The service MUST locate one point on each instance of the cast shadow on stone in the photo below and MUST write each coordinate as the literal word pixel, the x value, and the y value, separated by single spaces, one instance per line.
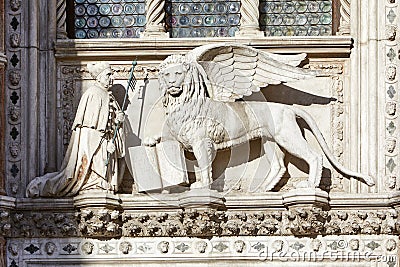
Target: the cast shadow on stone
pixel 289 96
pixel 326 177
pixel 118 90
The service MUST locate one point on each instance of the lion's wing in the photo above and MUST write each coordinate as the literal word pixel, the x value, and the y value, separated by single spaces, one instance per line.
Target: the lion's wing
pixel 237 70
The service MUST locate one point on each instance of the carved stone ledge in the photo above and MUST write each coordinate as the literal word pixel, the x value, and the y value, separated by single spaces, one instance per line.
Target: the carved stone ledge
pixel 308 197
pixel 201 198
pixel 7 202
pixel 94 199
pixel 158 48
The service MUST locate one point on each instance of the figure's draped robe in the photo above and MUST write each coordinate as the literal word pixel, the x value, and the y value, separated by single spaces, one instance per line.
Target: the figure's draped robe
pixel 84 166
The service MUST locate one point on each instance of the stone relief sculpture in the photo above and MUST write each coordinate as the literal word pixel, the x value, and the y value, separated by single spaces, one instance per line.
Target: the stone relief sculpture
pixel 202 93
pixel 95 149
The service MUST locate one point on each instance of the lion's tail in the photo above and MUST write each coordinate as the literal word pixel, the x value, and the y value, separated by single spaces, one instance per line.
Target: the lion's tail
pixel 321 140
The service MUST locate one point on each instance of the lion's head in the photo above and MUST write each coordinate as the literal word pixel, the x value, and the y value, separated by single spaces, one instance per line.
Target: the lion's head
pixel 181 77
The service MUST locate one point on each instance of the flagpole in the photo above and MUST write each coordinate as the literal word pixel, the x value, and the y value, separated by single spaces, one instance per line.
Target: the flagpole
pixel 131 84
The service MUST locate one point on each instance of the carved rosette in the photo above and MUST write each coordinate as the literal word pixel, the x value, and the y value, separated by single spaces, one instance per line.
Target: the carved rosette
pixel 391 181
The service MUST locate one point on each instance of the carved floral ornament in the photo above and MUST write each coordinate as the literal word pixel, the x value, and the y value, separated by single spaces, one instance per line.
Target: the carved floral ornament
pixel 298 222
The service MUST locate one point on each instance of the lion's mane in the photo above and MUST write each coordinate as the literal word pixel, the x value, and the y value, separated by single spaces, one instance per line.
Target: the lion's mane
pixel 188 112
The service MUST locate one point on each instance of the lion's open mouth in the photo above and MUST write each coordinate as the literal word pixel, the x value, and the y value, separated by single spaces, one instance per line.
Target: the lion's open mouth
pixel 175 91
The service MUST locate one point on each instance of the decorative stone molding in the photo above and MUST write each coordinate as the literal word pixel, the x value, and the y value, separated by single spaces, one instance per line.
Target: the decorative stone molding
pixel 13 166
pixel 43 224
pixel 249 19
pixel 3 118
pixel 352 250
pixel 305 215
pixel 362 222
pixel 99 214
pixel 155 15
pixel 100 222
pixel 391 80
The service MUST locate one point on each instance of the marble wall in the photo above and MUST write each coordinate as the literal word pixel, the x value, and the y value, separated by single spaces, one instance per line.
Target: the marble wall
pixel 43 74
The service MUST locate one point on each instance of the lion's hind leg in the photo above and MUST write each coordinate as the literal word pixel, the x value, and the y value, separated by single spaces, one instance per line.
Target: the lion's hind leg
pixel 291 139
pixel 277 170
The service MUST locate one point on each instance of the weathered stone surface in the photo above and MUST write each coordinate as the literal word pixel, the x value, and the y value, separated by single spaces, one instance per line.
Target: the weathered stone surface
pixel 358 115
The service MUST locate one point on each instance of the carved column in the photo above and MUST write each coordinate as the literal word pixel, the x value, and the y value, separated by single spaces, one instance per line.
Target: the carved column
pixel 249 19
pixel 2 99
pixel 344 25
pixel 61 19
pixel 365 92
pixel 155 15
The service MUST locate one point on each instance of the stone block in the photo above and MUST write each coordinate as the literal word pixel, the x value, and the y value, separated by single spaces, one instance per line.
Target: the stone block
pixel 145 168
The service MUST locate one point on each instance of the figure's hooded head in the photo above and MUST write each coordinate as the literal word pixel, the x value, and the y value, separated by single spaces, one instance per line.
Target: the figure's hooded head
pixel 102 73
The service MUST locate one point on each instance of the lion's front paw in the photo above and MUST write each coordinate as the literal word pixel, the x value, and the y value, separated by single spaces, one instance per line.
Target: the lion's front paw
pixel 151 141
pixel 196 185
